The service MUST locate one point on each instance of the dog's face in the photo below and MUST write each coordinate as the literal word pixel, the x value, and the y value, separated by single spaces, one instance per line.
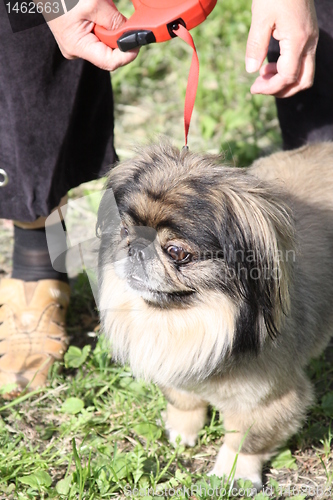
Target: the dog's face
pixel 153 263
pixel 194 235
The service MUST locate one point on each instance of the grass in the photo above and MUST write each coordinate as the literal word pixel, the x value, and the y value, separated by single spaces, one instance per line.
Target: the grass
pixel 94 432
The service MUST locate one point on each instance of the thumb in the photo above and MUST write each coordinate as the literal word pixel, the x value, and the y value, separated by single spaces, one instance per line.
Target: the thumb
pixel 103 56
pixel 257 42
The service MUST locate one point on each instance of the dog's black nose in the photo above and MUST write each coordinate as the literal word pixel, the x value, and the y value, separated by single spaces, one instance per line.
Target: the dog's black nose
pixel 139 250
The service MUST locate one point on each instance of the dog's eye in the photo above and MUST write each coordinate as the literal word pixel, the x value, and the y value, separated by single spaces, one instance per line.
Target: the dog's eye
pixel 178 254
pixel 123 232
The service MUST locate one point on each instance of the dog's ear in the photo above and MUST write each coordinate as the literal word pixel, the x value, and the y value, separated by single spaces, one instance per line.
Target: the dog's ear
pixel 259 240
pixel 108 217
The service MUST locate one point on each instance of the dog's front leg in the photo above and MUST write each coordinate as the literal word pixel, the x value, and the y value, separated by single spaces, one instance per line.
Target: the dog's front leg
pixel 257 432
pixel 185 415
pixel 242 454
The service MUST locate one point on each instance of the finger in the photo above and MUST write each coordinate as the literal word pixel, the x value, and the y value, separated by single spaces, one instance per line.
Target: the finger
pixel 103 56
pixel 273 84
pixel 268 69
pixel 305 79
pixel 306 68
pixel 269 84
pixel 289 63
pixel 284 75
pixel 258 40
pixel 296 63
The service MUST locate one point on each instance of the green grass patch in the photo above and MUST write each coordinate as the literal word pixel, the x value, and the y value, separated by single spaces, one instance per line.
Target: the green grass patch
pixel 95 432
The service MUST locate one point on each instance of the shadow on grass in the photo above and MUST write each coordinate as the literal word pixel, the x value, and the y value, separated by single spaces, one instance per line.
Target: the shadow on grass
pixel 82 315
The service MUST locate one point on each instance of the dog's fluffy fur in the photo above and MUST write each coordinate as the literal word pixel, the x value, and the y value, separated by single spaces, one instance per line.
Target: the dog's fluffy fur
pixel 216 283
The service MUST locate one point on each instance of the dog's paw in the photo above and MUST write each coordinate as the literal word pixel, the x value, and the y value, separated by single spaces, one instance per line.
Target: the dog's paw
pixel 247 466
pixel 187 440
pixel 173 434
pixel 184 423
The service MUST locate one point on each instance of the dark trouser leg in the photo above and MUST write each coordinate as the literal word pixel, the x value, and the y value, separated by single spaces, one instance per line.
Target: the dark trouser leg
pixel 31 258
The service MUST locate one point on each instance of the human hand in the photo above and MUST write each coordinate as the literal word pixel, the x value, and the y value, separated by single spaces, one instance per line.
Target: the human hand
pixel 73 32
pixel 294 24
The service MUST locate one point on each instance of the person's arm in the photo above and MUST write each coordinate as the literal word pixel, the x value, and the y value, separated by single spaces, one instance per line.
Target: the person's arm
pixel 73 32
pixel 294 24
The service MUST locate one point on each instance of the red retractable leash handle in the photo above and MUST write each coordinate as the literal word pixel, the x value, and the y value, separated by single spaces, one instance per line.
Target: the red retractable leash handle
pixel 159 21
pixel 154 21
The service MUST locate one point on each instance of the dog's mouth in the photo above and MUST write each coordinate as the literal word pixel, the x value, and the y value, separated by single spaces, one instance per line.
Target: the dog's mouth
pixel 160 298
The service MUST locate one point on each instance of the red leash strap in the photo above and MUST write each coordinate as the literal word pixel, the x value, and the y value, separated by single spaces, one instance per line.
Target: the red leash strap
pixel 193 78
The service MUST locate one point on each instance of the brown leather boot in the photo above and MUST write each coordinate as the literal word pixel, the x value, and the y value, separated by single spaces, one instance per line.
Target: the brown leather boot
pixel 32 331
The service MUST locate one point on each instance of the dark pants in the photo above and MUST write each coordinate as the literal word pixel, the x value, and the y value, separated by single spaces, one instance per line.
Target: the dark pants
pixel 56 119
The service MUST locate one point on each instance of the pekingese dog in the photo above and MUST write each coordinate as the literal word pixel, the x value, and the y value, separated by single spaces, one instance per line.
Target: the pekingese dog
pixel 216 283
